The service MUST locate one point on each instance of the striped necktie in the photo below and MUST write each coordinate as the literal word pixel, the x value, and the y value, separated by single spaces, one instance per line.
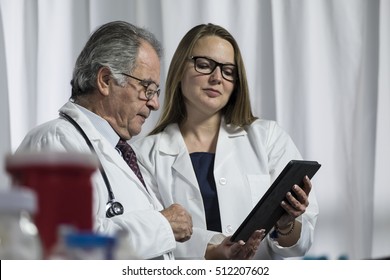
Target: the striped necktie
pixel 130 157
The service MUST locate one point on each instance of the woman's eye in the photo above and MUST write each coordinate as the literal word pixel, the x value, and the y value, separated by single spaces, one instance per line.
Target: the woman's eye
pixel 203 65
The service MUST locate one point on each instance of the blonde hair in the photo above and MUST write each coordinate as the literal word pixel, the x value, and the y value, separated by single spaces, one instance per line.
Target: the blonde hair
pixel 238 109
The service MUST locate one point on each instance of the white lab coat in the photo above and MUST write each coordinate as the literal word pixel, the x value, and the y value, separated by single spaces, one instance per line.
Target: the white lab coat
pixel 247 161
pixel 150 234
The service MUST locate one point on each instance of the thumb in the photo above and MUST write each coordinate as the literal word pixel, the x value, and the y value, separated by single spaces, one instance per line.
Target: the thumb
pixel 236 248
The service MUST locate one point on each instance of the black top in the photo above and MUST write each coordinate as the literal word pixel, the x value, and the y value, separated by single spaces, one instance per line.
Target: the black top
pixel 203 164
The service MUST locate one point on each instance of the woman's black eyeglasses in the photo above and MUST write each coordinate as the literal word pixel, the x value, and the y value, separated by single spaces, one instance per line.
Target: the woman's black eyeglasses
pixel 205 65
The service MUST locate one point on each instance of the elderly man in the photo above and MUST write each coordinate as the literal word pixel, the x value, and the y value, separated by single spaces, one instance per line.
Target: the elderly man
pixel 115 87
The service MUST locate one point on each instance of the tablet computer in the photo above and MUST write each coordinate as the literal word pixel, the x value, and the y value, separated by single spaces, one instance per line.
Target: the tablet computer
pixel 268 210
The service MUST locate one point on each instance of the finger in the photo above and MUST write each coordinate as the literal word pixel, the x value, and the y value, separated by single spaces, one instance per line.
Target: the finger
pixel 249 250
pixel 235 249
pixel 307 185
pixel 251 253
pixel 184 239
pixel 291 211
pixel 299 194
pixel 299 198
pixel 256 237
pixel 293 201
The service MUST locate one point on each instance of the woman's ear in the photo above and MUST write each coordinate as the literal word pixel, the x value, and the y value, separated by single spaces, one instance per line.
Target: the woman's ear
pixel 103 80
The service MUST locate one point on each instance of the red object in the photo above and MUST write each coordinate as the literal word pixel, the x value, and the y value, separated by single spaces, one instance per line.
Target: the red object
pixel 62 182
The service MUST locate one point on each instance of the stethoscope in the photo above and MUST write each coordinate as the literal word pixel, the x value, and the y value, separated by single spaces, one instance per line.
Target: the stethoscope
pixel 113 208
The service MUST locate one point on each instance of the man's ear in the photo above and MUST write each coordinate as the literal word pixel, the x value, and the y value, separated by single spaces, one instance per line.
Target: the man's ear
pixel 103 80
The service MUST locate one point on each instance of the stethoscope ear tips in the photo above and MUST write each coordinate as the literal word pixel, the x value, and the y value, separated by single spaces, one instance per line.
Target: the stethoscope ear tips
pixel 114 208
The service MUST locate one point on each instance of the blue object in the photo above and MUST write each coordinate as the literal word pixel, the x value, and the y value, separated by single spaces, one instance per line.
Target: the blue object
pixel 203 164
pixel 89 241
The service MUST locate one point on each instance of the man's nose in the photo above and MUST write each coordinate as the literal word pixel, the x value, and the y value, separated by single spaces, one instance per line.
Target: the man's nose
pixel 154 103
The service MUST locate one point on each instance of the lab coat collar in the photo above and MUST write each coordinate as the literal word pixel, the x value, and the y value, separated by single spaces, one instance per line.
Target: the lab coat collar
pixel 172 142
pixel 101 145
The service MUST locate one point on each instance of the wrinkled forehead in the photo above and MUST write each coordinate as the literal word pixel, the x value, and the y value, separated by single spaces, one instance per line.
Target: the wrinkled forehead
pixel 148 63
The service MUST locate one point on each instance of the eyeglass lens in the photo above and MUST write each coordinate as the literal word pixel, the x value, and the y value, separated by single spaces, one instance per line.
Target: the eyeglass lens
pixel 151 88
pixel 205 65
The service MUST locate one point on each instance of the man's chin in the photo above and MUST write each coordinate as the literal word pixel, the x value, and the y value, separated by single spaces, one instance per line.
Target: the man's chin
pixel 135 131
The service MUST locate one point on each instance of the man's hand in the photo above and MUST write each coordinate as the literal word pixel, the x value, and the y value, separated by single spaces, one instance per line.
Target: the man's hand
pixel 180 220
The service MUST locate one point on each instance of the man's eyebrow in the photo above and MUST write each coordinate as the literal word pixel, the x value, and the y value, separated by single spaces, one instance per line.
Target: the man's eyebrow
pixel 149 81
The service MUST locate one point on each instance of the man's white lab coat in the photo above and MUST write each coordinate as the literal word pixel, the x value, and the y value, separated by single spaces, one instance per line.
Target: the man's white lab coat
pixel 150 234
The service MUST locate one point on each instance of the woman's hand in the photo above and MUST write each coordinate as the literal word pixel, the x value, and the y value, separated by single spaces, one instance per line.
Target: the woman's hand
pixel 235 250
pixel 296 205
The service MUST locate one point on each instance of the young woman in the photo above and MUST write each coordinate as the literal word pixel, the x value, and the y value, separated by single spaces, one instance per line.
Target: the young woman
pixel 210 154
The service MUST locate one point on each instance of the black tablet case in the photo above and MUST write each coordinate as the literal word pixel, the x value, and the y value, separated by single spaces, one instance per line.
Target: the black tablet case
pixel 268 210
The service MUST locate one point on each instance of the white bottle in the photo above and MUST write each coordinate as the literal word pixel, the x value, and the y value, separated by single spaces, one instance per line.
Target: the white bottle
pixel 19 238
pixel 59 250
pixel 123 250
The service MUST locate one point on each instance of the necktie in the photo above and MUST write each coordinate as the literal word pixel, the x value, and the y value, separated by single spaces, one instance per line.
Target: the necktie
pixel 129 156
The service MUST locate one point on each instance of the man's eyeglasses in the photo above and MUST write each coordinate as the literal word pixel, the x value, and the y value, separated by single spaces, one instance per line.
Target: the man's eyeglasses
pixel 151 88
pixel 207 66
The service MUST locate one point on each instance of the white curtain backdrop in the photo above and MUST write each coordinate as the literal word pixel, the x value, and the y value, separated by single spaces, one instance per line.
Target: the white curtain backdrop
pixel 321 68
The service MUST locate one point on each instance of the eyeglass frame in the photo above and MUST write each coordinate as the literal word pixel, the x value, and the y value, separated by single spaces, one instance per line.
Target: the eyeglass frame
pixel 146 84
pixel 221 65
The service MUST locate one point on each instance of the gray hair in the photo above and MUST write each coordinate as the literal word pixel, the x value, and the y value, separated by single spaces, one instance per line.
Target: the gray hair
pixel 114 45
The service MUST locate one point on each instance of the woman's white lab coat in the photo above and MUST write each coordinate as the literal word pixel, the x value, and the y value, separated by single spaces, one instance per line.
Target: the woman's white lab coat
pixel 150 234
pixel 247 161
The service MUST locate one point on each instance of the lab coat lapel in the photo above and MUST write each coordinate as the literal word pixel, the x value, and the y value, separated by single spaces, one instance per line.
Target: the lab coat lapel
pixel 104 149
pixel 172 144
pixel 183 166
pixel 226 144
pixel 113 155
